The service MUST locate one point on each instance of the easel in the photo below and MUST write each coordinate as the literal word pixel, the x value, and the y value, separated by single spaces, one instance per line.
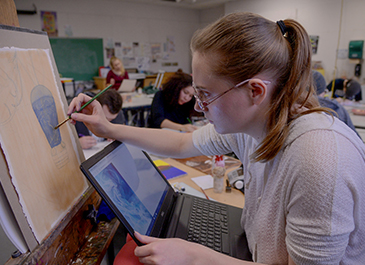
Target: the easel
pixel 70 239
pixel 159 79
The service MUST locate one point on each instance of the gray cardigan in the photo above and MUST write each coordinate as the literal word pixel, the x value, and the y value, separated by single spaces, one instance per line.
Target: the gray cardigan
pixel 309 201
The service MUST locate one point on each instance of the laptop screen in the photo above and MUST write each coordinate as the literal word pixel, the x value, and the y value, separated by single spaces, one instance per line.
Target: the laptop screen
pixel 133 185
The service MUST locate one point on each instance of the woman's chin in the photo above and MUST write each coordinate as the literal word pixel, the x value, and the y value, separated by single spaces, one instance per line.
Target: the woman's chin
pixel 219 129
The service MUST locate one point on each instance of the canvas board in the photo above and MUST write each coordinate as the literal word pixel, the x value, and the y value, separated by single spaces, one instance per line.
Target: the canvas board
pixel 42 163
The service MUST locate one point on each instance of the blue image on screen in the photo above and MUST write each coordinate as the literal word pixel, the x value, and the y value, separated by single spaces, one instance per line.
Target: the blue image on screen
pixel 124 199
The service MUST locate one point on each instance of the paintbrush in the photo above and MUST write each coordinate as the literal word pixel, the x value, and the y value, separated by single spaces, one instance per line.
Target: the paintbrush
pixel 86 104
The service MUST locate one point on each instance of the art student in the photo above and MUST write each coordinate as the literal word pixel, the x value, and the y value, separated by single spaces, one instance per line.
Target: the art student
pixel 173 106
pixel 303 169
pixel 117 73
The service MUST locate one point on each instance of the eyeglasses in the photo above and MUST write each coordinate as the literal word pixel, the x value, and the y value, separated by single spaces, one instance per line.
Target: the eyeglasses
pixel 203 103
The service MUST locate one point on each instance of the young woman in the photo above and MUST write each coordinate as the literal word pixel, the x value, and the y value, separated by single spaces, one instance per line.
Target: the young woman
pixel 303 169
pixel 172 106
pixel 117 73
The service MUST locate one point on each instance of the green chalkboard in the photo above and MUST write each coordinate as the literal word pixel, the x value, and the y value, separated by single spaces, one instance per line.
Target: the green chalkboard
pixel 79 58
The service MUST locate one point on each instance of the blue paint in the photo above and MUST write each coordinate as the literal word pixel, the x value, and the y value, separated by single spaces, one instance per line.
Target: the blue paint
pixel 44 108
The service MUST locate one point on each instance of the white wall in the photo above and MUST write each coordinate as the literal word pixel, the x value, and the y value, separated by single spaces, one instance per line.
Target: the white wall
pixel 210 15
pixel 128 22
pixel 319 17
pixel 121 21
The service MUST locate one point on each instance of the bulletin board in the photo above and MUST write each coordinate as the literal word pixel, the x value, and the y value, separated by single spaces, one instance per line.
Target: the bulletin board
pixel 39 166
pixel 78 58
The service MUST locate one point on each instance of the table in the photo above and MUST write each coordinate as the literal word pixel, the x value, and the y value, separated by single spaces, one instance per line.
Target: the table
pixel 100 81
pixel 234 198
pixel 93 150
pixel 359 123
pixel 66 80
pixel 357 120
pixel 136 108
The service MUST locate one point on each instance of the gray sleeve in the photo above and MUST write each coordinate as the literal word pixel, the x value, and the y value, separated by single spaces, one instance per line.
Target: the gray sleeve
pixel 209 142
pixel 321 207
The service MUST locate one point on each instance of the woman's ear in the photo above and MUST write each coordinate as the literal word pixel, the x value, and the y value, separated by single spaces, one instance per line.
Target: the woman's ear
pixel 258 90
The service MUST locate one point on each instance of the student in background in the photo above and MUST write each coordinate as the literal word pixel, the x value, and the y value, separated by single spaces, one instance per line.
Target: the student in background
pixel 111 102
pixel 346 89
pixel 303 169
pixel 320 86
pixel 173 106
pixel 117 73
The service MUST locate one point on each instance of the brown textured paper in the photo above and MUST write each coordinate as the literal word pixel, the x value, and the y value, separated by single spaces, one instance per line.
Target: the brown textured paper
pixel 42 162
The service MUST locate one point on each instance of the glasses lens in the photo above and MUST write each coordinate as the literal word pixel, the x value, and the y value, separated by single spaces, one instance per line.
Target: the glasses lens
pixel 200 103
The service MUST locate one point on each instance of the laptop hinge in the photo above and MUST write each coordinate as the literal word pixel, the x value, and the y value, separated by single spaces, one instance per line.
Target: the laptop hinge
pixel 172 221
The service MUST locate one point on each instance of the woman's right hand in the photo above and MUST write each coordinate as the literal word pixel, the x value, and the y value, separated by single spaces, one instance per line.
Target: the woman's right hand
pixel 92 115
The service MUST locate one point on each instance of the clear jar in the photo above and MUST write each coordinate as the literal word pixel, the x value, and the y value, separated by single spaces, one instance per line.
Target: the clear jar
pixel 218 172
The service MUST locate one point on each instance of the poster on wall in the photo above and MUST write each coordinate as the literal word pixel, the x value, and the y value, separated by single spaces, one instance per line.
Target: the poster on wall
pixel 137 49
pixel 314 43
pixel 141 55
pixel 129 62
pixel 155 51
pixel 49 23
pixel 143 63
pixel 110 52
pixel 127 49
pixel 170 44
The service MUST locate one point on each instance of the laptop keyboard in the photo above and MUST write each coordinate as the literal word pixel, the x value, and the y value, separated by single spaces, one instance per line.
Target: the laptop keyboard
pixel 208 225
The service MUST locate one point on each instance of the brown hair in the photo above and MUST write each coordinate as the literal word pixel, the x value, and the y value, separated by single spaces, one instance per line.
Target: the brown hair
pixel 171 90
pixel 112 60
pixel 244 45
pixel 112 99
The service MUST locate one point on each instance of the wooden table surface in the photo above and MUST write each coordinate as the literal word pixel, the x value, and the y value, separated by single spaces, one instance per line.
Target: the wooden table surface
pixel 234 198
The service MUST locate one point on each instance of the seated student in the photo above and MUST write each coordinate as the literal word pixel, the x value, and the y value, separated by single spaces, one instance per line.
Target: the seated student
pixel 346 89
pixel 111 102
pixel 117 73
pixel 173 106
pixel 320 86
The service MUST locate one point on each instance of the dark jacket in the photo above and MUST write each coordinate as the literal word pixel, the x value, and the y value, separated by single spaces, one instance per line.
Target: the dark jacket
pixel 342 113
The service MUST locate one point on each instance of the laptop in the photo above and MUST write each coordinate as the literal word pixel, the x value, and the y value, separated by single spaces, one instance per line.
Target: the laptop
pixel 127 85
pixel 144 201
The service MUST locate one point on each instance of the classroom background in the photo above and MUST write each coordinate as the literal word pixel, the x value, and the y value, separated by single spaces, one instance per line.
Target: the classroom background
pixel 331 23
